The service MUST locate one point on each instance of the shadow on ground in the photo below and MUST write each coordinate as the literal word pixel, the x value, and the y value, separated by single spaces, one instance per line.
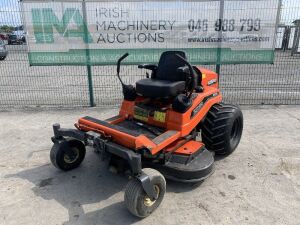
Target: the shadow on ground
pixel 91 183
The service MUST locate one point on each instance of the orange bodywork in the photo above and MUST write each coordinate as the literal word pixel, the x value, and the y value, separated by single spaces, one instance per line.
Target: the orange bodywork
pixel 176 125
pixel 187 148
pixel 209 78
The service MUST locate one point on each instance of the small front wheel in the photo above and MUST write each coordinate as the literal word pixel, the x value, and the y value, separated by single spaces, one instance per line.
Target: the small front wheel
pixel 67 154
pixel 136 199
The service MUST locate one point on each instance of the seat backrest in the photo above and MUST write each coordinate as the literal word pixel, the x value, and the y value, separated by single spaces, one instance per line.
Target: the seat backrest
pixel 168 65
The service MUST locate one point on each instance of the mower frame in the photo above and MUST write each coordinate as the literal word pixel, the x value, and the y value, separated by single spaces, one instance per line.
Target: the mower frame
pixel 155 137
pixel 103 146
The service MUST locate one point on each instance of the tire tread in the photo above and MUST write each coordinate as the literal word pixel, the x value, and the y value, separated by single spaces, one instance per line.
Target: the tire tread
pixel 214 127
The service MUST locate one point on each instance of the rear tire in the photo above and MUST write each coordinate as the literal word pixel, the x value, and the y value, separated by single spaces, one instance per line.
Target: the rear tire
pixel 61 160
pixel 222 128
pixel 136 199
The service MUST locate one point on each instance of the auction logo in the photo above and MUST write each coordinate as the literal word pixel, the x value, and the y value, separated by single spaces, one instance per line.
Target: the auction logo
pixel 71 24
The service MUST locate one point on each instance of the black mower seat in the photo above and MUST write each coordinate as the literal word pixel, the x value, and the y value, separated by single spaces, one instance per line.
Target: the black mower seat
pixel 166 80
pixel 159 88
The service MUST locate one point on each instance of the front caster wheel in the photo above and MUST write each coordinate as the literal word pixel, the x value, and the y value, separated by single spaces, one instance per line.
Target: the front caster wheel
pixel 67 154
pixel 137 201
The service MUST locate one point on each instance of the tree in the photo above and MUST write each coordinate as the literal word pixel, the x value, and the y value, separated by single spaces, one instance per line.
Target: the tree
pixel 6 29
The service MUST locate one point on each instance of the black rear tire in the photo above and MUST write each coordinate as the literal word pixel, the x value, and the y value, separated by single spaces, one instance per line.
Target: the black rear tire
pixel 222 128
pixel 60 158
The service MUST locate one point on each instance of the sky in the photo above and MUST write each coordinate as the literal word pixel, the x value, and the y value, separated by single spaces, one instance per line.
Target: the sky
pixel 9 12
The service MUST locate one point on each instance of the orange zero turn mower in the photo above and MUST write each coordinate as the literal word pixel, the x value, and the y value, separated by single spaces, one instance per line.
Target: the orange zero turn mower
pixel 170 125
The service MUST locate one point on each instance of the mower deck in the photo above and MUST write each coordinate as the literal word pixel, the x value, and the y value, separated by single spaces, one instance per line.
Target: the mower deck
pixel 122 132
pixel 188 161
pixel 192 169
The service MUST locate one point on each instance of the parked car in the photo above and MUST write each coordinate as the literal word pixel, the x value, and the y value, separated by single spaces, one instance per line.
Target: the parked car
pixel 23 39
pixel 4 37
pixel 3 50
pixel 14 39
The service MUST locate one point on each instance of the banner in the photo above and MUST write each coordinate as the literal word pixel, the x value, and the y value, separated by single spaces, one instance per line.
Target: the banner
pixel 98 32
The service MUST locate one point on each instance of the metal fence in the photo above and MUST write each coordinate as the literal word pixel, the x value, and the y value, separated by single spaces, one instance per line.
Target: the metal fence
pixel 67 86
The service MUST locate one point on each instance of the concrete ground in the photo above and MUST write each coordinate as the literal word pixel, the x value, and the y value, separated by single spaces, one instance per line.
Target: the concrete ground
pixel 258 184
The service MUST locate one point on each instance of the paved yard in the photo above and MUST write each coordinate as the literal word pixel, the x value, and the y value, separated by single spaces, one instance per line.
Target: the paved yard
pixel 258 184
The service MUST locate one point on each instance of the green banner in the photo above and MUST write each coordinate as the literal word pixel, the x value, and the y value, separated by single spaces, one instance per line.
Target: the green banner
pixel 138 56
pixel 93 32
